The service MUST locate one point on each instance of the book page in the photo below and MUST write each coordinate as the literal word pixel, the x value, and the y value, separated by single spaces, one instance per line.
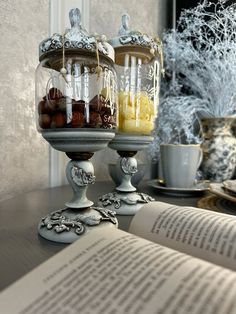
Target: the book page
pixel 198 232
pixel 113 272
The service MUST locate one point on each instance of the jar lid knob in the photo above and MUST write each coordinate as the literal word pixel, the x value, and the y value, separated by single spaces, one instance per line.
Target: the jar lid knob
pixel 125 29
pixel 75 17
pixel 76 39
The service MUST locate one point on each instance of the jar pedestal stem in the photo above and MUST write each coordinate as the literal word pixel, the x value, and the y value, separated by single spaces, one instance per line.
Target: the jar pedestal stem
pixel 126 200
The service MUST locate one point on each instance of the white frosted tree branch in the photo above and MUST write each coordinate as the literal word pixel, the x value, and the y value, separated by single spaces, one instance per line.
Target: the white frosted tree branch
pixel 203 51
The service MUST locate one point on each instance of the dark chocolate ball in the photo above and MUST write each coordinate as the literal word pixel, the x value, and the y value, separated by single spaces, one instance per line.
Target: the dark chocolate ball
pixel 78 105
pixel 42 108
pixel 54 93
pixel 95 120
pixel 45 121
pixel 48 106
pixel 52 105
pixel 58 120
pixel 61 104
pixel 77 119
pixel 99 104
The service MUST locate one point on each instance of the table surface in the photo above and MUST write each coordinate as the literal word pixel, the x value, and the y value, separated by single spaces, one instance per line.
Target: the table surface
pixel 22 249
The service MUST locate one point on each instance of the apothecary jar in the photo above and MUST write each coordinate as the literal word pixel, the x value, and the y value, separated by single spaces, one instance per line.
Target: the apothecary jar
pixel 76 84
pixel 138 63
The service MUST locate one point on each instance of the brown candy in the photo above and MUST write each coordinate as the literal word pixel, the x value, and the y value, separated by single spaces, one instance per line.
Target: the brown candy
pixel 58 120
pixel 47 106
pixel 45 121
pixel 95 120
pixel 53 105
pixel 99 104
pixel 77 120
pixel 54 94
pixel 61 104
pixel 78 105
pixel 42 107
pixel 52 110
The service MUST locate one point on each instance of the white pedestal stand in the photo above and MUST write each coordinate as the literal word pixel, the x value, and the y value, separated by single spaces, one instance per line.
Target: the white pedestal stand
pixel 80 216
pixel 125 200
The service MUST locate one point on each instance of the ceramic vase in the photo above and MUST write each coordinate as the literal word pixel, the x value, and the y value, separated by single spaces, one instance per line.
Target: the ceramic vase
pixel 219 148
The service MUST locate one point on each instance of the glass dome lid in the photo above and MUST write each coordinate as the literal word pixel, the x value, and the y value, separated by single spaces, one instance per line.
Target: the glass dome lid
pixel 76 40
pixel 140 45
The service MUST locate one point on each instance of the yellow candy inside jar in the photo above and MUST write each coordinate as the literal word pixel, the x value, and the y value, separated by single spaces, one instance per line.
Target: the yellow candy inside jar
pixel 136 113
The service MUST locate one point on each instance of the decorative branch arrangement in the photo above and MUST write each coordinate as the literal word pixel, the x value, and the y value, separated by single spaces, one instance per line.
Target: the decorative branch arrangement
pixel 200 62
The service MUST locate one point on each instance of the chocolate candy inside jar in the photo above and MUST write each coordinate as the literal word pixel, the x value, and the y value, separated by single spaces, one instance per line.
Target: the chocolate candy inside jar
pixel 138 59
pixel 75 81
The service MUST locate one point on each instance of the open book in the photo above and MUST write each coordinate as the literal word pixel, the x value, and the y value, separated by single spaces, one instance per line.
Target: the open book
pixel 111 271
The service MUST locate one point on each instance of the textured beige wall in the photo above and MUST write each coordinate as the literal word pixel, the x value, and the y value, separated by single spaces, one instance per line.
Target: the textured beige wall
pixel 23 153
pixel 105 15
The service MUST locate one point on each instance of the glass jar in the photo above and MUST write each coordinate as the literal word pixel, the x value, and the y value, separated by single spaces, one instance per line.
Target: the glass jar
pixel 138 66
pixel 76 84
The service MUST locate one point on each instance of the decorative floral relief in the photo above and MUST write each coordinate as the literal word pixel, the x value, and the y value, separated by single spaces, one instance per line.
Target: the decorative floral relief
pixel 127 167
pixel 58 221
pixel 219 149
pixel 55 42
pixel 87 43
pixel 141 40
pixel 81 177
pixel 133 37
pixel 76 37
pixel 117 200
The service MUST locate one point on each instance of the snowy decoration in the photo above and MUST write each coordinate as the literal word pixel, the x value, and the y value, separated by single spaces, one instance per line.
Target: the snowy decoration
pixel 200 64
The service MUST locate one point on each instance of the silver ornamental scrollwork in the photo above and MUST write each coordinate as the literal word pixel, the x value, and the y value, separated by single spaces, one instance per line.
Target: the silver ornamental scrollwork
pixel 131 37
pixel 117 200
pixel 76 37
pixel 58 222
pixel 87 43
pixel 81 177
pixel 140 40
pixel 127 167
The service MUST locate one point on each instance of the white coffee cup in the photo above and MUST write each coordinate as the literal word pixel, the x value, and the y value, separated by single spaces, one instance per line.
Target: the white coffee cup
pixel 180 163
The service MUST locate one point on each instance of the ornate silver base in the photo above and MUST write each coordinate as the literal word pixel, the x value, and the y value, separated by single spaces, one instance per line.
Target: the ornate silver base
pixel 68 225
pixel 124 203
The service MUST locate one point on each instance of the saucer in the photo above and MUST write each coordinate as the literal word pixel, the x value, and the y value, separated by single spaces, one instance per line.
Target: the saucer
pixel 230 186
pixel 199 187
pixel 218 189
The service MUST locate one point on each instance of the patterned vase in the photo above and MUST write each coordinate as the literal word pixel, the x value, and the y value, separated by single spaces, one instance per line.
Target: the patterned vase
pixel 219 148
